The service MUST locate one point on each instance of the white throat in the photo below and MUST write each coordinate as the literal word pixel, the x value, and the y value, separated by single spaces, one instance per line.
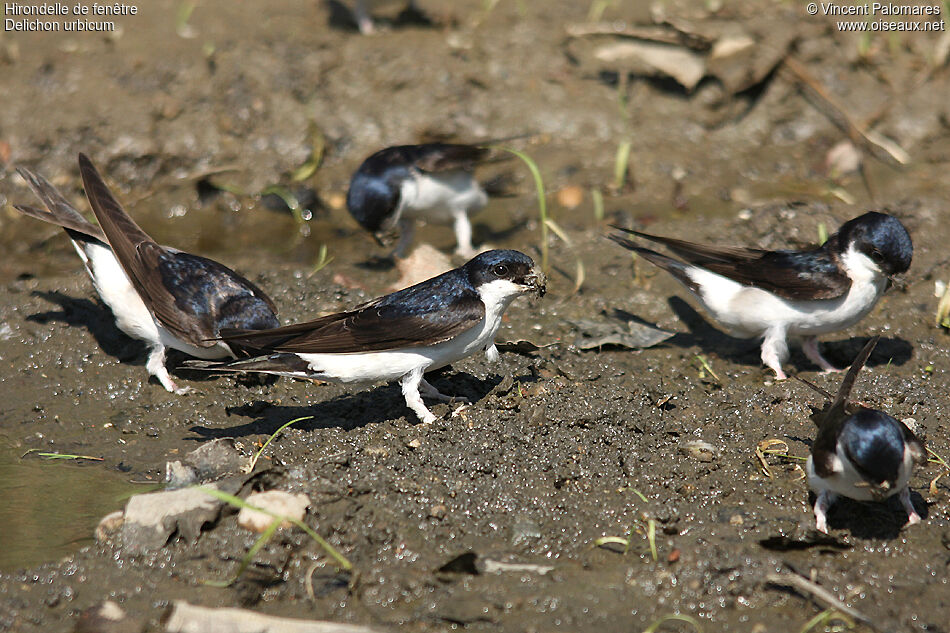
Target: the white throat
pixel 859 267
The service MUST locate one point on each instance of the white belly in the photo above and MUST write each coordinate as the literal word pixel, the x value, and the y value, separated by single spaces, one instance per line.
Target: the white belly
pixel 131 314
pixel 440 197
pixel 393 364
pixel 749 312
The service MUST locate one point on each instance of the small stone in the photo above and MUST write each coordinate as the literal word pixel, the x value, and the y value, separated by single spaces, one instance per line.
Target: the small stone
pixel 570 197
pixel 336 200
pixel 376 450
pixel 414 443
pixel 109 525
pixel 438 511
pixel 700 450
pixel 736 519
pixel 292 506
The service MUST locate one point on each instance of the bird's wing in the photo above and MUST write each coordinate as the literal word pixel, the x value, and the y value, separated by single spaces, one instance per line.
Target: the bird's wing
pixel 436 157
pixel 796 275
pixel 384 324
pixel 188 294
pixel 58 211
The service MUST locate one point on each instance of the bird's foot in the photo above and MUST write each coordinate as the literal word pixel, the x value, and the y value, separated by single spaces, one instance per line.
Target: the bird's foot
pixel 428 391
pixel 912 516
pixel 810 347
pixel 822 503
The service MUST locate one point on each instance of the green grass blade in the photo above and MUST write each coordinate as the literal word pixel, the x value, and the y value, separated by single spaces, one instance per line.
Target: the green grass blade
pixel 248 557
pixel 542 201
pixel 271 439
pixel 237 502
pixel 680 617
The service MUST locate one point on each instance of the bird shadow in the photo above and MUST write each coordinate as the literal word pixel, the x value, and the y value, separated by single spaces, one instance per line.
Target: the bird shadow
pixel 872 520
pixel 349 411
pixel 98 321
pixel 341 17
pixel 889 351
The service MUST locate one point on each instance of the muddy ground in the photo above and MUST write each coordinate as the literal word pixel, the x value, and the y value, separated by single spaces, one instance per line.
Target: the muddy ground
pixel 190 119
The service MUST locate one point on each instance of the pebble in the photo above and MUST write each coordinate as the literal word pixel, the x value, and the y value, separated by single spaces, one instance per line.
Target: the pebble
pixel 292 506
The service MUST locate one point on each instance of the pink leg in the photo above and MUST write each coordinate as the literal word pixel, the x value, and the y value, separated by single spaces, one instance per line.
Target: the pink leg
pixel 822 503
pixel 810 347
pixel 912 516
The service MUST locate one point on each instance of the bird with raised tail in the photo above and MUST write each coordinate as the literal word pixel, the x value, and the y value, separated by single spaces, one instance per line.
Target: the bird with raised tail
pixel 157 294
pixel 801 294
pixel 399 336
pixel 432 182
pixel 860 453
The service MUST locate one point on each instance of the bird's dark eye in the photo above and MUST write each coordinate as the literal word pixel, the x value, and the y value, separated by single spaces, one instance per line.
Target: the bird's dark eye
pixel 500 270
pixel 877 256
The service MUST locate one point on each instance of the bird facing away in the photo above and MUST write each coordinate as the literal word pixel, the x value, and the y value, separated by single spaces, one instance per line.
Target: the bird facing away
pixel 157 294
pixel 401 335
pixel 860 453
pixel 780 294
pixel 434 182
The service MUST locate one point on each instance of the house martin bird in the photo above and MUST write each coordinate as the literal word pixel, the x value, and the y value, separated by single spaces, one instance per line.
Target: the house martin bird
pixel 157 294
pixel 781 294
pixel 401 335
pixel 860 453
pixel 434 182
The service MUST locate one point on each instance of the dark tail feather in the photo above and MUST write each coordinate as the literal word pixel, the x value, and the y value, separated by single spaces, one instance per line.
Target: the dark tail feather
pixel 273 364
pixel 675 267
pixel 844 392
pixel 58 210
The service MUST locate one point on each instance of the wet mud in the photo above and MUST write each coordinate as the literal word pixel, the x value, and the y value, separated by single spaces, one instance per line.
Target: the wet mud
pixel 562 446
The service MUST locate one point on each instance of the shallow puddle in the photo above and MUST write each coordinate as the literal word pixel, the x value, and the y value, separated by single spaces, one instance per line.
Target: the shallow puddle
pixel 51 507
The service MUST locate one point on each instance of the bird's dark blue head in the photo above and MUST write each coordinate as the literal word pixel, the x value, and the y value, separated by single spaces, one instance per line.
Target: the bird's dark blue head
pixel 874 443
pixel 882 238
pixel 508 265
pixel 374 193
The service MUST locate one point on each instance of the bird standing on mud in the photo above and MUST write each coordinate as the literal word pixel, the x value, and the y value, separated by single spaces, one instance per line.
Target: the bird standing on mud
pixel 157 294
pixel 860 453
pixel 433 182
pixel 401 335
pixel 781 294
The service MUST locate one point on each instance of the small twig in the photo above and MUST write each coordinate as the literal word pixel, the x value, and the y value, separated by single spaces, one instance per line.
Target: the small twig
pixel 881 147
pixel 820 594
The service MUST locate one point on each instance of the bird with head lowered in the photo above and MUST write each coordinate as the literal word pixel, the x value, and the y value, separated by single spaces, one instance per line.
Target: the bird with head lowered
pixel 859 452
pixel 157 294
pixel 801 294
